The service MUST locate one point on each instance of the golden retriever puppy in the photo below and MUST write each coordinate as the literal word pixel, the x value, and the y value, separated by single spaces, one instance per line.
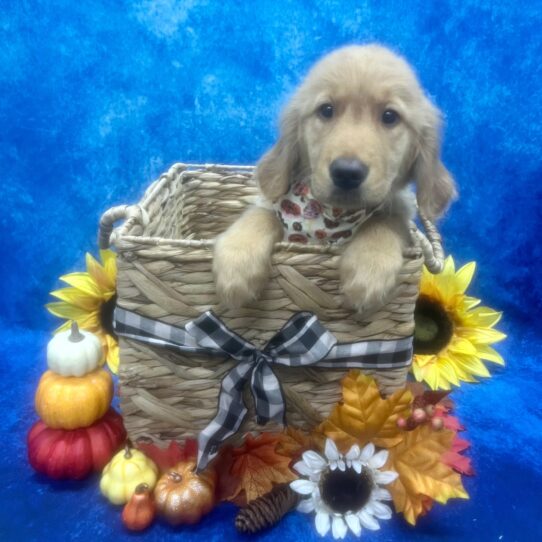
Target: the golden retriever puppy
pixel 358 130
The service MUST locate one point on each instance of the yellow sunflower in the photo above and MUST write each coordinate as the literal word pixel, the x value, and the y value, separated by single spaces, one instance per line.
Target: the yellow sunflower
pixel 90 301
pixel 453 334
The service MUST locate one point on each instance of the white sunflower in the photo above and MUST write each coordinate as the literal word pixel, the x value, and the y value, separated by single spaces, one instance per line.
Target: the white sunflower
pixel 344 490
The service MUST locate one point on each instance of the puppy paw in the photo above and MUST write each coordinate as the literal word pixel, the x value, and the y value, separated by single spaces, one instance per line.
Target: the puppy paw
pixel 367 284
pixel 239 276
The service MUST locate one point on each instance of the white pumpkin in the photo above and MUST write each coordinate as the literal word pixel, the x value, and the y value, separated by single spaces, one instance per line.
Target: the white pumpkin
pixel 74 352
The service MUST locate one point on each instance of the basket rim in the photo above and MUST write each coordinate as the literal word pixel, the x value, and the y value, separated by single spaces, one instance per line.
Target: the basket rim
pixel 129 242
pixel 127 237
pixel 181 169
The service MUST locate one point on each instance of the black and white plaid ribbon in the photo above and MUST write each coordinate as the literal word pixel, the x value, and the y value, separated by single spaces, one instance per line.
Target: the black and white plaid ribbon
pixel 302 341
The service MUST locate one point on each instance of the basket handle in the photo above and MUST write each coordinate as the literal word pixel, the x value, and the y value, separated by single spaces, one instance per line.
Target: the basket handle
pixel 131 214
pixel 431 244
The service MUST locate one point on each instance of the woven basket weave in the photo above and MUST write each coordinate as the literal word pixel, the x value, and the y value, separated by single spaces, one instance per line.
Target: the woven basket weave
pixel 164 262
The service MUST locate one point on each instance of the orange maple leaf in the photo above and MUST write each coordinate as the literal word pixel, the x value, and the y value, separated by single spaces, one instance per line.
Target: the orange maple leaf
pixel 364 416
pixel 422 473
pixel 257 467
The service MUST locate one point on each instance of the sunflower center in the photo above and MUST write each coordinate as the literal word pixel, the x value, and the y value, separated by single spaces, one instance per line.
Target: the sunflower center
pixel 106 316
pixel 346 491
pixel 433 326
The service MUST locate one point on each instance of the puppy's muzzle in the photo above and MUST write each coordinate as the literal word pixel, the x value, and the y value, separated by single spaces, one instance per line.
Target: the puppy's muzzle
pixel 348 173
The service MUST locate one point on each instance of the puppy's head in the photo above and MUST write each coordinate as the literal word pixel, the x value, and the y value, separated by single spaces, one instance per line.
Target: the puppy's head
pixel 358 129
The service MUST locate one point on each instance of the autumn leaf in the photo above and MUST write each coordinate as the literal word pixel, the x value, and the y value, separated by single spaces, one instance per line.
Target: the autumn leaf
pixel 227 484
pixel 422 473
pixel 454 458
pixel 450 422
pixel 293 442
pixel 166 458
pixel 257 467
pixel 364 416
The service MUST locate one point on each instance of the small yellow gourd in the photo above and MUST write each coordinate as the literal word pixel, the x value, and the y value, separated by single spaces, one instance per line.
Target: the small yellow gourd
pixel 74 352
pixel 71 402
pixel 124 473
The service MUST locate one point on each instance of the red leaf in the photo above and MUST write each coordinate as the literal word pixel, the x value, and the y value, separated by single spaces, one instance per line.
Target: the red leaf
pixel 458 462
pixel 460 445
pixel 455 460
pixel 227 483
pixel 450 422
pixel 166 458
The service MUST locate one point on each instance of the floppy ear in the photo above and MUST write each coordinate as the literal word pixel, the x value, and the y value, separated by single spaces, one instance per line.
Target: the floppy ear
pixel 277 168
pixel 435 187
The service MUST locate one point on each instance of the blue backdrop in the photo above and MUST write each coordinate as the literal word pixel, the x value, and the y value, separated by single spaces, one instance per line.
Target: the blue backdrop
pixel 98 98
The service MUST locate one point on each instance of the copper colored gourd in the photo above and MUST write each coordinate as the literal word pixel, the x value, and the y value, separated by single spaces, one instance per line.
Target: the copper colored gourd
pixel 182 496
pixel 140 510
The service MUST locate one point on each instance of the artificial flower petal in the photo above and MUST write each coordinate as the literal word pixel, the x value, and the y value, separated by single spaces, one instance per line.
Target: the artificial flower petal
pixel 306 506
pixel 357 466
pixel 353 523
pixel 64 310
pixel 302 468
pixel 353 453
pixel 378 460
pixel 381 511
pixel 368 521
pixel 459 345
pixel 303 487
pixel 331 450
pixel 486 352
pixel 76 298
pixel 83 282
pixel 483 317
pixel 338 527
pixel 381 494
pixel 322 523
pixel 468 302
pixel 473 365
pixel 385 477
pixel 464 276
pixel 314 461
pixel 98 273
pixel 480 335
pixel 367 452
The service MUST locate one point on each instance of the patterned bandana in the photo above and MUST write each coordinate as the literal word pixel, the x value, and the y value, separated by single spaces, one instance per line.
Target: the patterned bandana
pixel 306 220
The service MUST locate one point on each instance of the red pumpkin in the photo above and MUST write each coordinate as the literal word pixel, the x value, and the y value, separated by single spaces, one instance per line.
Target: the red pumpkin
pixel 74 454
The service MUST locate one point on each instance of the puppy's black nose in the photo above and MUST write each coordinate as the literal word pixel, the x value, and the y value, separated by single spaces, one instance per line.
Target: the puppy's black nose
pixel 348 173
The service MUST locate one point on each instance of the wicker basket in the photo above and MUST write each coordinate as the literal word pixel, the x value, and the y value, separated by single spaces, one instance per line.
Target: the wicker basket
pixel 164 252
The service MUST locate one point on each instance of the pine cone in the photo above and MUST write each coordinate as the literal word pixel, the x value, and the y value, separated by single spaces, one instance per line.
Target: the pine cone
pixel 266 510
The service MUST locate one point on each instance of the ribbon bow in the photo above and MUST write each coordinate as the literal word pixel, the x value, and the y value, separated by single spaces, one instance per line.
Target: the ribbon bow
pixel 302 341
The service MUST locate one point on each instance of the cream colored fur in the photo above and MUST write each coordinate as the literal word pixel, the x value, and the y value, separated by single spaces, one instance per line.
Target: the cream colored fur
pixel 360 82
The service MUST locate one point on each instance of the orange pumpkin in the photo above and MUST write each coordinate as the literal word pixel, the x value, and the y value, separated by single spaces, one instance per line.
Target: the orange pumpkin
pixel 140 510
pixel 71 402
pixel 182 496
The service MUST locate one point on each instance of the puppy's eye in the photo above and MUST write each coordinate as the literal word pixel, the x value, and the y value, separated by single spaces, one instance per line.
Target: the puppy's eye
pixel 326 111
pixel 390 117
